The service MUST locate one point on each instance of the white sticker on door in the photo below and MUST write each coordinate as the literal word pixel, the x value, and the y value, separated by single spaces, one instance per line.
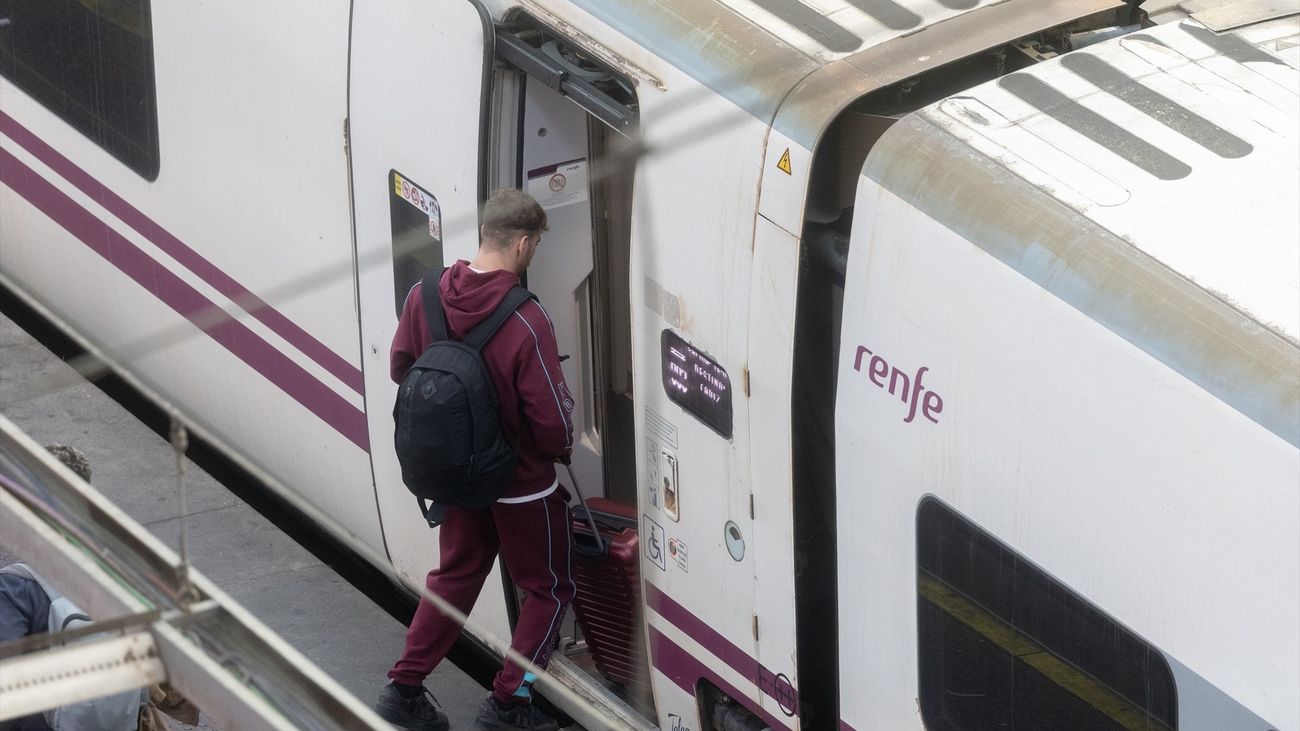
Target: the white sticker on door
pixel 559 185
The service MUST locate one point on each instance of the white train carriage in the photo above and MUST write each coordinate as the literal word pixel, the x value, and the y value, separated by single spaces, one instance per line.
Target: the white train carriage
pixel 954 375
pixel 1099 320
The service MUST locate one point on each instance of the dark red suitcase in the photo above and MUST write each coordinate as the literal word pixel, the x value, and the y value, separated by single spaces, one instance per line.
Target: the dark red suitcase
pixel 608 603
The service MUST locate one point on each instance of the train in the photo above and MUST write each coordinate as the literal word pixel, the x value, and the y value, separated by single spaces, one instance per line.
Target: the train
pixel 947 352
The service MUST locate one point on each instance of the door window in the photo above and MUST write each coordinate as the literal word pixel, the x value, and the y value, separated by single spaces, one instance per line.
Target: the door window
pixel 416 220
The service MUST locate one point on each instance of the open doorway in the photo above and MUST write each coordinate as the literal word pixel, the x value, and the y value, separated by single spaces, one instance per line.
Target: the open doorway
pixel 577 163
pixel 560 130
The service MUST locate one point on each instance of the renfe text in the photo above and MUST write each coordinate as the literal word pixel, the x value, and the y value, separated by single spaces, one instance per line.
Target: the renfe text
pixel 908 390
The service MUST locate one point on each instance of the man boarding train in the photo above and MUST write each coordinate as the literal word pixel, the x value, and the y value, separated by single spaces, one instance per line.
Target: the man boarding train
pixel 529 523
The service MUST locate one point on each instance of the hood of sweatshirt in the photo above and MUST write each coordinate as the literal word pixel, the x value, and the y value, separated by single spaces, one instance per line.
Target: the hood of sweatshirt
pixel 468 297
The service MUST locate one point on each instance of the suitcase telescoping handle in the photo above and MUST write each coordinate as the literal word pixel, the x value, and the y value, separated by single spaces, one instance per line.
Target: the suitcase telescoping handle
pixel 581 546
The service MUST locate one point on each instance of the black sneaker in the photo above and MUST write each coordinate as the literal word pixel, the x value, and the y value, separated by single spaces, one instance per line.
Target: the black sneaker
pixel 419 713
pixel 494 715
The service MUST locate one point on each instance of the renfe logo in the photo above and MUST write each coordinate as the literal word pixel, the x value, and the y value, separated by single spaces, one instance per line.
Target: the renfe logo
pixel 907 390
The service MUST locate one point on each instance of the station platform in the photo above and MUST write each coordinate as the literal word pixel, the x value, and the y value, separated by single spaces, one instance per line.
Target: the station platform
pixel 305 602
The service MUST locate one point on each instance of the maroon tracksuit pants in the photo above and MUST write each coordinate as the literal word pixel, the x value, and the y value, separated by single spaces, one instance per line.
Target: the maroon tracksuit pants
pixel 534 541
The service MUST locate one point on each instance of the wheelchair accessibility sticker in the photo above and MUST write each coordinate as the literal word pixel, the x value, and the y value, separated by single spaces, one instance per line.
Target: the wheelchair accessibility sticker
pixel 655 547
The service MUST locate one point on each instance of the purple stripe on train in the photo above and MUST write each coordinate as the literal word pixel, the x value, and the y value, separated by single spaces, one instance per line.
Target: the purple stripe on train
pixel 684 670
pixel 275 366
pixel 187 257
pixel 774 685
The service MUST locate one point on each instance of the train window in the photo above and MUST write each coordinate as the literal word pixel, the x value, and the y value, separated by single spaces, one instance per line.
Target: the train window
pixel 417 233
pixel 1004 645
pixel 91 63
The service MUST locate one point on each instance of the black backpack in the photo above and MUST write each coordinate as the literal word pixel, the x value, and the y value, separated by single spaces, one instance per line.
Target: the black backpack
pixel 448 437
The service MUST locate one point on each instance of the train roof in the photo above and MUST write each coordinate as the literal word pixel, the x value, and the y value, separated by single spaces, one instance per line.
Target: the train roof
pixel 1151 181
pixel 1181 141
pixel 826 30
pixel 811 58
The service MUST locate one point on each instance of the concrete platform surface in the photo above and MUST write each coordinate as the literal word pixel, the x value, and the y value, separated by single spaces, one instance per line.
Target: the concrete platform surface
pixel 282 584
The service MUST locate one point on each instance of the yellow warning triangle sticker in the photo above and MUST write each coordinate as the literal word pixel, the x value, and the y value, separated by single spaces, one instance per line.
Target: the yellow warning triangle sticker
pixel 784 163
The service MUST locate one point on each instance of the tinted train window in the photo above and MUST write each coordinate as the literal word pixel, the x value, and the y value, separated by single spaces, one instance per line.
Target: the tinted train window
pixel 91 63
pixel 1002 645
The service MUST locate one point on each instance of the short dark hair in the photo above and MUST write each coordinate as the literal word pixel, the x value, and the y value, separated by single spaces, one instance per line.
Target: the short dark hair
pixel 511 212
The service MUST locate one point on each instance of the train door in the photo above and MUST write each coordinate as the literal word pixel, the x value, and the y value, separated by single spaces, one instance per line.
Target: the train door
pixel 445 107
pixel 417 79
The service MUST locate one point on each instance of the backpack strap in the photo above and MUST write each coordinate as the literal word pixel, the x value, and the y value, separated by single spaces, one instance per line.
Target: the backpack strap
pixel 484 331
pixel 433 313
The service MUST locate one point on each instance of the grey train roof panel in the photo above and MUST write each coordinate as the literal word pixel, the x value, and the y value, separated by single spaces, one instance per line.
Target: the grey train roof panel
pixel 811 58
pixel 1152 182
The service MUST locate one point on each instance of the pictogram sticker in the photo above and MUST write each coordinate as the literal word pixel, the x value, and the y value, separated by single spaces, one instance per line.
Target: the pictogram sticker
pixel 655 548
pixel 559 185
pixel 784 163
pixel 422 200
pixel 677 551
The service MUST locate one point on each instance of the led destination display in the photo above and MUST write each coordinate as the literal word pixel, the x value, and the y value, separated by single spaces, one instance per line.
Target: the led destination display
pixel 696 382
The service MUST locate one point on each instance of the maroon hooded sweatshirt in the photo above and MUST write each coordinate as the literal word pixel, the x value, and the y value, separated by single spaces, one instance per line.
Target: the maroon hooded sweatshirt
pixel 522 358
